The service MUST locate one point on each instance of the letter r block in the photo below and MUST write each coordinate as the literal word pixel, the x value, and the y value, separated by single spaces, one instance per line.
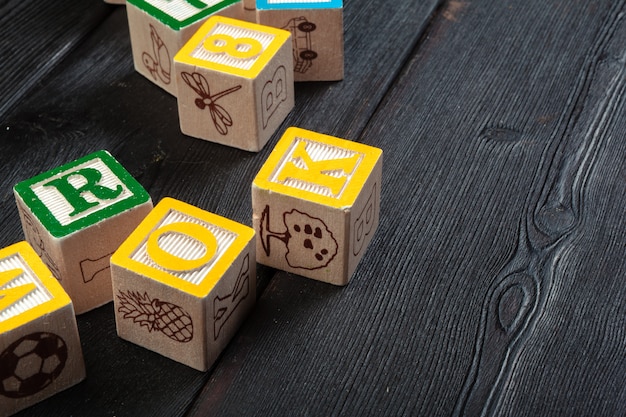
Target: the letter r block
pixel 235 82
pixel 184 281
pixel 159 28
pixel 40 351
pixel 317 30
pixel 76 216
pixel 316 204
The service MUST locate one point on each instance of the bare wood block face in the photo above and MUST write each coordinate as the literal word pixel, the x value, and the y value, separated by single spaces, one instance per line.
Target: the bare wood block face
pixel 317 30
pixel 235 83
pixel 248 11
pixel 316 204
pixel 76 216
pixel 40 352
pixel 159 28
pixel 184 281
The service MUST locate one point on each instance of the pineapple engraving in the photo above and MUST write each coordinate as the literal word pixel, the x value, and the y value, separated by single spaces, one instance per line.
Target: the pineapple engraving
pixel 156 315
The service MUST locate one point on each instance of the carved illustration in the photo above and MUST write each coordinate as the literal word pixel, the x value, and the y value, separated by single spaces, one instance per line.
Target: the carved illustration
pixel 31 363
pixel 223 307
pixel 31 232
pixel 156 315
pixel 221 118
pixel 159 64
pixel 91 268
pixel 303 55
pixel 303 232
pixel 364 223
pixel 274 93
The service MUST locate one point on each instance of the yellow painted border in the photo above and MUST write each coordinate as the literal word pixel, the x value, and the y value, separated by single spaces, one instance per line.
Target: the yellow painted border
pixel 122 257
pixel 59 296
pixel 184 55
pixel 347 199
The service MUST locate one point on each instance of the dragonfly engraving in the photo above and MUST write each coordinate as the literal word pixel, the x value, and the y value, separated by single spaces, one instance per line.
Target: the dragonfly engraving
pixel 221 118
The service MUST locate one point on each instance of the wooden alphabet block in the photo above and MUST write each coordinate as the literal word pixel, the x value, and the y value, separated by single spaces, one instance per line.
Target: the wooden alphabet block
pixel 316 204
pixel 76 216
pixel 40 352
pixel 235 82
pixel 316 27
pixel 184 281
pixel 159 28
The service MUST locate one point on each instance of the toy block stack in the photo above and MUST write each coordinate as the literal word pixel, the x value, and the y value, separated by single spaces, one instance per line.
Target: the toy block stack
pixel 159 28
pixel 316 204
pixel 40 351
pixel 184 281
pixel 317 30
pixel 235 82
pixel 76 216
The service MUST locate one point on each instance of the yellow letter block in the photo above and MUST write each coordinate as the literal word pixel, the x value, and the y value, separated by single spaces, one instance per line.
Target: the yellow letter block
pixel 317 30
pixel 76 216
pixel 316 204
pixel 159 28
pixel 184 281
pixel 235 83
pixel 40 352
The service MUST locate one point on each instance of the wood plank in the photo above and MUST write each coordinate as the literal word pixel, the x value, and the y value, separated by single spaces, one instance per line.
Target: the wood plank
pixel 93 99
pixel 495 283
pixel 36 37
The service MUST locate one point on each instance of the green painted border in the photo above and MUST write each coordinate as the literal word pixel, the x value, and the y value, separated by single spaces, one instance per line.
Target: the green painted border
pixel 52 225
pixel 178 24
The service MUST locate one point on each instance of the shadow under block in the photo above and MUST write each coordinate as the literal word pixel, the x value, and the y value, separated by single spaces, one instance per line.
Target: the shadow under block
pixel 40 351
pixel 184 281
pixel 159 28
pixel 76 216
pixel 317 31
pixel 235 83
pixel 316 204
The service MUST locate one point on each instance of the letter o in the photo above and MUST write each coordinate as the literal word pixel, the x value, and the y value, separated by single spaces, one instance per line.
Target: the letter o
pixel 173 262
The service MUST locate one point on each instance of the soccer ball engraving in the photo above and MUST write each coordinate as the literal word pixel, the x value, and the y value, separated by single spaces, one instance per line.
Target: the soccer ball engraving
pixel 31 363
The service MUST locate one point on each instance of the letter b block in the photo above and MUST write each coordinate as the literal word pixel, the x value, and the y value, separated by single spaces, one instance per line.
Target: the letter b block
pixel 40 352
pixel 316 204
pixel 184 281
pixel 235 83
pixel 76 216
pixel 159 28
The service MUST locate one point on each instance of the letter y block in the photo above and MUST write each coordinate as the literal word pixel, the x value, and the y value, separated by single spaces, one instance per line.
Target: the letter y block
pixel 40 352
pixel 76 216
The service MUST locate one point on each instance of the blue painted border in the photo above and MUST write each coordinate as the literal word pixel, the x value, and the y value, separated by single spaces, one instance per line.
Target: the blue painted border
pixel 263 5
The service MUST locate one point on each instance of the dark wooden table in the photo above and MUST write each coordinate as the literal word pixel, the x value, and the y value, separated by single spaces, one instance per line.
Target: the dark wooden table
pixel 496 282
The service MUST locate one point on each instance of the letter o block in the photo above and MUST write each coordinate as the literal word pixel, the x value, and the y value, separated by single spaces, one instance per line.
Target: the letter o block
pixel 316 204
pixel 159 28
pixel 184 281
pixel 40 352
pixel 317 30
pixel 235 82
pixel 76 216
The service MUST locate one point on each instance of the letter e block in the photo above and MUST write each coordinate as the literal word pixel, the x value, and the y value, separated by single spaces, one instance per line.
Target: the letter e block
pixel 159 28
pixel 76 216
pixel 235 82
pixel 184 281
pixel 316 204
pixel 40 352
pixel 317 30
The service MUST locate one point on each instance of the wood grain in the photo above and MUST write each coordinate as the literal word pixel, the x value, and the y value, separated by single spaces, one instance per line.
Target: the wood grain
pixel 91 99
pixel 494 285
